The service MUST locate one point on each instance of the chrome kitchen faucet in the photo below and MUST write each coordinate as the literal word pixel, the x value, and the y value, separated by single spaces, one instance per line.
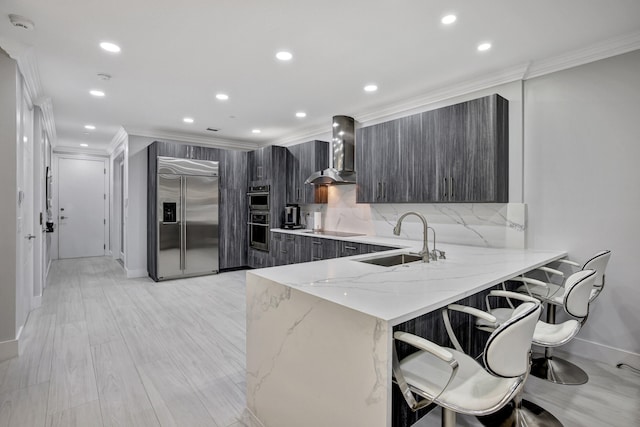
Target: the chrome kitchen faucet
pixel 424 253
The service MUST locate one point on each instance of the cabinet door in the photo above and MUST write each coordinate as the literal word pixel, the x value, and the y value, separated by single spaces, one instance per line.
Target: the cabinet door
pixel 303 249
pixel 426 165
pixel 449 137
pixel 313 156
pixel 293 175
pixel 377 163
pixel 302 161
pixel 259 164
pixel 365 157
pixel 323 249
pixel 477 173
pixel 284 249
pixel 233 209
pixel 330 249
pixel 478 153
pixel 289 250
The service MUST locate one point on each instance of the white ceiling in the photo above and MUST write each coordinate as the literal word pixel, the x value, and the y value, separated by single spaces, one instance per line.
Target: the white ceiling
pixel 176 55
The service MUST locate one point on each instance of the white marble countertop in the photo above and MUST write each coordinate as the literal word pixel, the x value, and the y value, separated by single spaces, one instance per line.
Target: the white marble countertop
pixel 396 294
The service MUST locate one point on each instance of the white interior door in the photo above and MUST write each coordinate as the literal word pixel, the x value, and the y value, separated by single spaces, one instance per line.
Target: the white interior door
pixel 81 207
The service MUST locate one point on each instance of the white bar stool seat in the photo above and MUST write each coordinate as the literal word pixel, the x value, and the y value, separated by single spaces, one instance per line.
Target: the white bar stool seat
pixel 458 383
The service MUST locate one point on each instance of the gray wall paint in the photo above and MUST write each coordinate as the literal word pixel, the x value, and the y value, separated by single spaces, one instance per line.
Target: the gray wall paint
pixel 581 175
pixel 8 131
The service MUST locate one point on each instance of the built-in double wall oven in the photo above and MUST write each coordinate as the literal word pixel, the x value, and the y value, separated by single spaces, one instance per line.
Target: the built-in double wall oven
pixel 259 226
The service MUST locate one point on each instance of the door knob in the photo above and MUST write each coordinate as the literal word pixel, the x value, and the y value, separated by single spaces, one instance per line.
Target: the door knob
pixel 30 236
pixel 64 217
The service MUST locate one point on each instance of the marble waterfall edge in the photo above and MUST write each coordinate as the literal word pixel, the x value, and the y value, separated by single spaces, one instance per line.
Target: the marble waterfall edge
pixel 289 333
pixel 493 225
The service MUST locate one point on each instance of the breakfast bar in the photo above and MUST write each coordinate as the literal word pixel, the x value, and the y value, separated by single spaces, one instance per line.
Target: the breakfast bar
pixel 319 334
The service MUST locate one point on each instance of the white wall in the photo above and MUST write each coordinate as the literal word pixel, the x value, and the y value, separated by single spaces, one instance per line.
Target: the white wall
pixel 9 82
pixel 136 206
pixel 582 149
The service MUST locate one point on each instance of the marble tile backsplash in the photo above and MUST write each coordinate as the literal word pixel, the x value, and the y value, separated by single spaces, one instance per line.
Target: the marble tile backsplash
pixel 496 225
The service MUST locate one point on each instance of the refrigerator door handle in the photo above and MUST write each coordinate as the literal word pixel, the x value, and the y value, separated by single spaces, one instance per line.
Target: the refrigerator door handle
pixel 183 223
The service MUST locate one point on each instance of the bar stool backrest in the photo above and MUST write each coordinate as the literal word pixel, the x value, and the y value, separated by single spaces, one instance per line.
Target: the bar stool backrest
pixel 598 262
pixel 577 290
pixel 506 353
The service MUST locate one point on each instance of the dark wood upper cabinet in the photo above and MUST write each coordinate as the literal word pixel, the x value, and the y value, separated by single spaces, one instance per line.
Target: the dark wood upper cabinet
pixel 302 161
pixel 458 153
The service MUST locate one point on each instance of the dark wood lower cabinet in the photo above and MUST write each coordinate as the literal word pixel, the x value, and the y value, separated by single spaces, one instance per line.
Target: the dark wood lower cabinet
pixel 292 249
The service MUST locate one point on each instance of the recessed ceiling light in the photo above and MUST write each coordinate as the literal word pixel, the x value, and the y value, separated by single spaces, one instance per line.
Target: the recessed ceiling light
pixel 222 96
pixel 370 88
pixel 256 131
pixel 110 47
pixel 96 92
pixel 449 19
pixel 484 46
pixel 284 55
pixel 301 114
pixel 90 127
pixel 84 145
pixel 187 120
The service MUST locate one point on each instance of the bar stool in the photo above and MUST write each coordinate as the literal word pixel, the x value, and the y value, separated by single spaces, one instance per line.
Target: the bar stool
pixel 551 369
pixel 576 303
pixel 551 292
pixel 458 383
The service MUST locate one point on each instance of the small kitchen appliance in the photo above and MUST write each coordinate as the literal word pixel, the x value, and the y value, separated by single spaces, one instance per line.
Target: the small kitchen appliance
pixel 292 217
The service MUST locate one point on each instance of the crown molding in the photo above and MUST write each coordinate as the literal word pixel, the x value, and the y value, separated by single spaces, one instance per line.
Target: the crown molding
pixel 25 56
pixel 595 52
pixel 388 111
pixel 119 138
pixel 193 139
pixel 531 69
pixel 46 106
pixel 448 91
pixel 303 136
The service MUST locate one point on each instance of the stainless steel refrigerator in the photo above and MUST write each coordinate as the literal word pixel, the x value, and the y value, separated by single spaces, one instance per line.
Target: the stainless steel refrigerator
pixel 188 200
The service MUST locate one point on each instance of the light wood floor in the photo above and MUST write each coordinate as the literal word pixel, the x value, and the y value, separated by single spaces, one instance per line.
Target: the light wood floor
pixel 103 350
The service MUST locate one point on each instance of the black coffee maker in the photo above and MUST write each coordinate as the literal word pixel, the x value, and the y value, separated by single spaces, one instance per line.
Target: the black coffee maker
pixel 292 217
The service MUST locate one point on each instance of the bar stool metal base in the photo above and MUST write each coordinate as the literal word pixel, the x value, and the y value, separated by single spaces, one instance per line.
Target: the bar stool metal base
pixel 528 414
pixel 558 371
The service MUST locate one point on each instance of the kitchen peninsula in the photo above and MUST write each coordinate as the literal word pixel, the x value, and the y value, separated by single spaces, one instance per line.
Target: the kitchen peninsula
pixel 319 335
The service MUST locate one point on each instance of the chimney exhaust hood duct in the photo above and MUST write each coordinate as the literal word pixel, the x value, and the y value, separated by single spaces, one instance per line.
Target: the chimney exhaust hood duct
pixel 342 168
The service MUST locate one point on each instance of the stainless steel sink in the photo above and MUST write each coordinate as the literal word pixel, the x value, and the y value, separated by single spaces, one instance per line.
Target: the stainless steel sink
pixel 391 260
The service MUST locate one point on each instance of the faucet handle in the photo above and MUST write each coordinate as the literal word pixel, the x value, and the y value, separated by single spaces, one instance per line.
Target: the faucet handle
pixel 442 254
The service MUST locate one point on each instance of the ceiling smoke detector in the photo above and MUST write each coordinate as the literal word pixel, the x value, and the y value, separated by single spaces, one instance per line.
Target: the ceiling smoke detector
pixel 104 76
pixel 21 22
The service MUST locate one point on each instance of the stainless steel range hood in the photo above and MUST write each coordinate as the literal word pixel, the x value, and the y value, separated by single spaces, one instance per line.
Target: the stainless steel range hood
pixel 342 168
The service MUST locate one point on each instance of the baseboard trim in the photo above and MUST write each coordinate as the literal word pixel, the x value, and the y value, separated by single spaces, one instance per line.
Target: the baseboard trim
pixel 133 274
pixel 36 302
pixel 254 419
pixel 601 353
pixel 11 348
